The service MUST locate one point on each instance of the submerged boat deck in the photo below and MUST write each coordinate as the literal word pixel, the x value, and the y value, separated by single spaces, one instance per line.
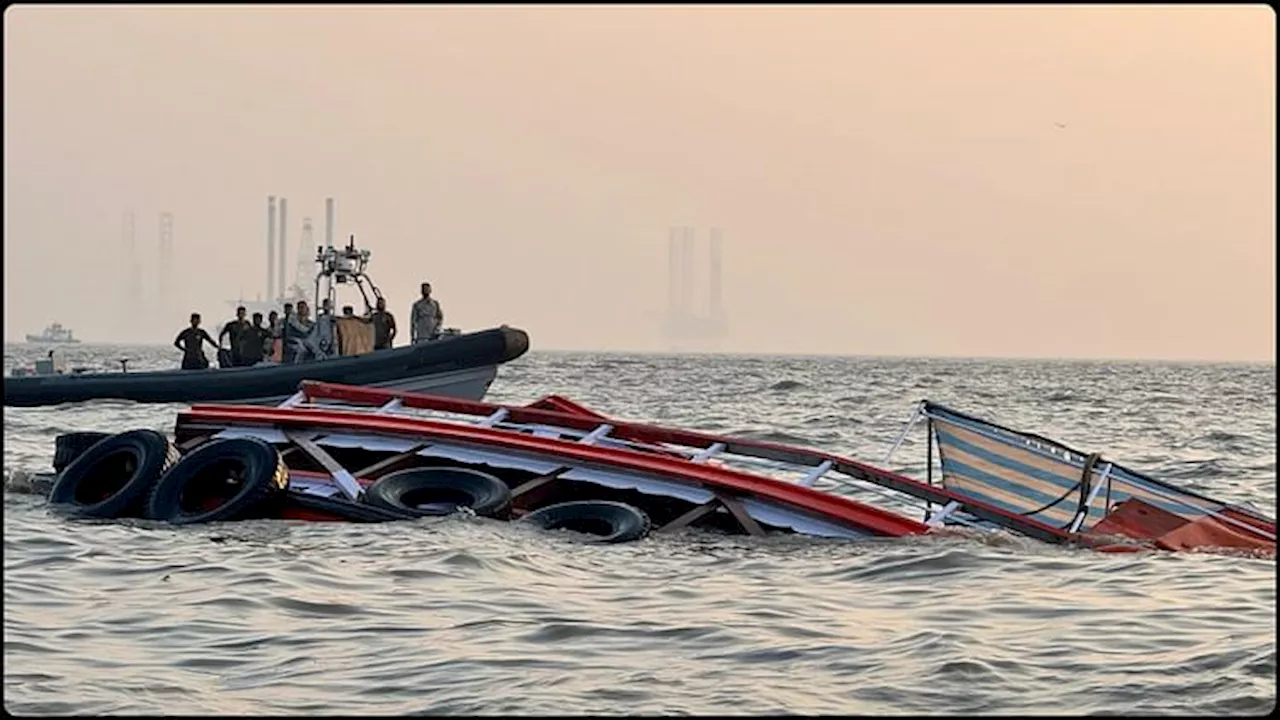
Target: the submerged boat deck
pixel 339 438
pixel 551 450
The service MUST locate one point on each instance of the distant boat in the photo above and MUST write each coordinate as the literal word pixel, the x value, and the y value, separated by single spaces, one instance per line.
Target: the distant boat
pixel 55 333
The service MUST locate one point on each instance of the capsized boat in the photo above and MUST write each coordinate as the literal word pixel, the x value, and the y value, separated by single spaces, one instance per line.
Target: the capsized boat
pixel 372 454
pixel 360 453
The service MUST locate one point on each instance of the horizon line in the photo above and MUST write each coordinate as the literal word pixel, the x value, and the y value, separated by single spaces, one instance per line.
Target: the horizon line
pixel 761 354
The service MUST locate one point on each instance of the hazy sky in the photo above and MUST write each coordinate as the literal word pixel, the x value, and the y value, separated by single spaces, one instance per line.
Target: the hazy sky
pixel 1005 181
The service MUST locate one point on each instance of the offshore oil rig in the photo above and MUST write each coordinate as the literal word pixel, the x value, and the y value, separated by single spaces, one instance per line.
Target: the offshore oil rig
pixel 684 327
pixel 158 309
pixel 305 271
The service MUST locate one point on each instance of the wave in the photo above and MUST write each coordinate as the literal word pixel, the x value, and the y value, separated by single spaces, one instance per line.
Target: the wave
pixel 23 482
pixel 480 617
pixel 777 436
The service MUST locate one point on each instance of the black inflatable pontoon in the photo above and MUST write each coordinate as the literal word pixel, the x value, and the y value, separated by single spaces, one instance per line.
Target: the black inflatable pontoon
pixel 459 366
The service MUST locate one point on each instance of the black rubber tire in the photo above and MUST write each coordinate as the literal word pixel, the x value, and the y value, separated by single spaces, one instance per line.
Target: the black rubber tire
pixel 444 488
pixel 344 508
pixel 69 446
pixel 113 478
pixel 608 521
pixel 252 466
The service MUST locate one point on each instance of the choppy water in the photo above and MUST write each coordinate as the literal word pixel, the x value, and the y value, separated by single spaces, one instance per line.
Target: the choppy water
pixel 463 616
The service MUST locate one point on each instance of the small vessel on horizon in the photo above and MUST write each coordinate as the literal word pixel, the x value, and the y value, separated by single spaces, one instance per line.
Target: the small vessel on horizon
pixel 55 333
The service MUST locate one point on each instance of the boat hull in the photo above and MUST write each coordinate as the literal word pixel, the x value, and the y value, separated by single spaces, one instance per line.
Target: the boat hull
pixel 461 366
pixel 692 486
pixel 468 384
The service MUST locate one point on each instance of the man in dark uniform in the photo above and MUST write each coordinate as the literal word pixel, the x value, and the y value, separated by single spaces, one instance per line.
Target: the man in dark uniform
pixel 233 330
pixel 286 334
pixel 253 341
pixel 191 342
pixel 384 326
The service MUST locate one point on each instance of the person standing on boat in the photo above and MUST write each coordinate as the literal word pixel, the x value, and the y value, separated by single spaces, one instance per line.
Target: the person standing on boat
pixel 271 348
pixel 267 336
pixel 298 330
pixel 384 326
pixel 425 317
pixel 353 334
pixel 191 342
pixel 285 335
pixel 323 340
pixel 252 341
pixel 233 330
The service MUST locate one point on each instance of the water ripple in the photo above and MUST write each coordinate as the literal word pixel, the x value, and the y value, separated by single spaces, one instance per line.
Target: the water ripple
pixel 472 616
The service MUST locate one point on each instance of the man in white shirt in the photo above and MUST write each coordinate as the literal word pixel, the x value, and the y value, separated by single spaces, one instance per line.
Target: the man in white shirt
pixel 425 317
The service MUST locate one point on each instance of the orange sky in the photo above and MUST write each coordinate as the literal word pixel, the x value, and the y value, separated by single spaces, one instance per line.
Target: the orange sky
pixel 1060 181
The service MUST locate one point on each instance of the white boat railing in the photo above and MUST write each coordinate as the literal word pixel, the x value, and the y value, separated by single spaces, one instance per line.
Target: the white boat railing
pixel 565 422
pixel 821 473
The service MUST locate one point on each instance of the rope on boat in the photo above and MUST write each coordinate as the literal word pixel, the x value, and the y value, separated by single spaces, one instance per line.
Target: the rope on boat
pixel 1088 505
pixel 1060 498
pixel 1082 505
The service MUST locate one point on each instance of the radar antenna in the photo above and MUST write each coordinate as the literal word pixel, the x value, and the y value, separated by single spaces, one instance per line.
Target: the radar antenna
pixel 339 266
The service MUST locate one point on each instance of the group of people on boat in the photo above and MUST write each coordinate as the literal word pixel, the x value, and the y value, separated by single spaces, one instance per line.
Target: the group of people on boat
pixel 293 336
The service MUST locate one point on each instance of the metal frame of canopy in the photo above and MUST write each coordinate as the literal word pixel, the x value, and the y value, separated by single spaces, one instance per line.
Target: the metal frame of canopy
pixel 807 478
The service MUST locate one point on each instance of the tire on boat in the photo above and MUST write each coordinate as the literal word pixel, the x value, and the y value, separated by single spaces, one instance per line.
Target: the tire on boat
pixel 609 521
pixel 422 492
pixel 114 478
pixel 342 509
pixel 69 446
pixel 228 479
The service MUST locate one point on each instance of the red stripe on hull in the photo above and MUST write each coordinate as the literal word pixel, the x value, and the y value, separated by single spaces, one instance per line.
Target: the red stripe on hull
pixel 555 403
pixel 637 432
pixel 864 517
